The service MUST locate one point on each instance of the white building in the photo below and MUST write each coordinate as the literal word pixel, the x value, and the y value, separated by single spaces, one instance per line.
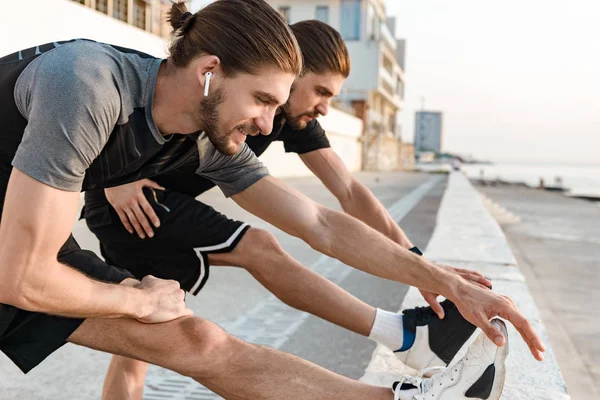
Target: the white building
pixel 377 76
pixel 374 91
pixel 130 23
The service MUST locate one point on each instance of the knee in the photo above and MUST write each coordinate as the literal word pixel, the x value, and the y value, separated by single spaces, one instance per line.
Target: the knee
pixel 261 244
pixel 205 336
pixel 257 252
pixel 210 346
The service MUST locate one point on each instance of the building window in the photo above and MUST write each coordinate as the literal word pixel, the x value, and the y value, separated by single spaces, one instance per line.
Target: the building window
pixel 350 19
pixel 285 12
pixel 120 10
pixel 376 29
pixel 322 14
pixel 102 6
pixel 160 20
pixel 389 89
pixel 136 12
pixel 400 88
pixel 139 14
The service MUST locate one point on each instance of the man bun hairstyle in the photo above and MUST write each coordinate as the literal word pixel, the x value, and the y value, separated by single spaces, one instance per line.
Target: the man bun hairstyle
pixel 246 35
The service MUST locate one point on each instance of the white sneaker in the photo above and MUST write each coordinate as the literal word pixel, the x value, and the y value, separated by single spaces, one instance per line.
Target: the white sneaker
pixel 437 341
pixel 478 376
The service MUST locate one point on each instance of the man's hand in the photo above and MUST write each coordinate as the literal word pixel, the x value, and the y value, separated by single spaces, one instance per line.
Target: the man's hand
pixel 165 300
pixel 479 306
pixel 132 207
pixel 472 276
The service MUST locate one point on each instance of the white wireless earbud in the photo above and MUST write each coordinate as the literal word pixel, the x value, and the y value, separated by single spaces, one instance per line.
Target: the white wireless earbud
pixel 208 77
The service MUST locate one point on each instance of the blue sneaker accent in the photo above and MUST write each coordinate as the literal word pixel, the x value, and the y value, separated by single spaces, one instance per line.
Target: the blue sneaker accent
pixel 408 338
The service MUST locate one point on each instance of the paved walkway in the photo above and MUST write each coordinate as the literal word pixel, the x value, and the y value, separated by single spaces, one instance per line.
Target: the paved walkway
pixel 557 245
pixel 466 236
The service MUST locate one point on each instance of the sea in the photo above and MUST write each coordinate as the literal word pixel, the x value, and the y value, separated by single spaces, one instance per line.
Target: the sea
pixel 578 179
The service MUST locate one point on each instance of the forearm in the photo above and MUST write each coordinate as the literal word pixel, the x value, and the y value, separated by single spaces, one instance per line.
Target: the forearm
pixel 361 247
pixel 362 204
pixel 36 222
pixel 341 236
pixel 57 289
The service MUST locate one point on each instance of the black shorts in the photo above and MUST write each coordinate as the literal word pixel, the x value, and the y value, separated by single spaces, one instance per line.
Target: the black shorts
pixel 189 231
pixel 26 337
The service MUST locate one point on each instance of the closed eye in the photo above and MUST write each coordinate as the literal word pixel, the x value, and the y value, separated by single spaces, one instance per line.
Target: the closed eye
pixel 266 99
pixel 322 91
pixel 262 101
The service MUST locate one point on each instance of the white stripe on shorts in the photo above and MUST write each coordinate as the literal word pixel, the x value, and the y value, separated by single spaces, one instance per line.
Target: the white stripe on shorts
pixel 200 250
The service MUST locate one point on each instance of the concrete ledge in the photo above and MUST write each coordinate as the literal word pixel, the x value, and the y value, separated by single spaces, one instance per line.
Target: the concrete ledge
pixel 467 236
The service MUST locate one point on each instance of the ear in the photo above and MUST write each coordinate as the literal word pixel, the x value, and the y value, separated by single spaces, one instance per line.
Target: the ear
pixel 207 64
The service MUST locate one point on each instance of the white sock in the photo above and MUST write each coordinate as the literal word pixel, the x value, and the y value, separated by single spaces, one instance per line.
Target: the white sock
pixel 388 329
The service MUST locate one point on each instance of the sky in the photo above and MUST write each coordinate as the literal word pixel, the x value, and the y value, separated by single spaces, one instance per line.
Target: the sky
pixel 517 80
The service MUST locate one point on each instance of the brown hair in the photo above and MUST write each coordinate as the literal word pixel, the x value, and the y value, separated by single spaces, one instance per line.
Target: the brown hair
pixel 322 47
pixel 245 34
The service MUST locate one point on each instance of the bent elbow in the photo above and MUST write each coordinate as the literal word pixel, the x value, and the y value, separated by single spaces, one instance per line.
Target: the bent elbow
pixel 11 293
pixel 15 289
pixel 344 194
pixel 352 197
pixel 319 236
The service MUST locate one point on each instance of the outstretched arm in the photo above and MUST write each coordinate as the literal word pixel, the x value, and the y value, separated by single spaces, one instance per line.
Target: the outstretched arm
pixel 354 243
pixel 353 196
pixel 357 200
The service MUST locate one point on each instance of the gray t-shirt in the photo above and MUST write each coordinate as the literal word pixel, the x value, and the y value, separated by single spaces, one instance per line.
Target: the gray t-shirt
pixel 88 108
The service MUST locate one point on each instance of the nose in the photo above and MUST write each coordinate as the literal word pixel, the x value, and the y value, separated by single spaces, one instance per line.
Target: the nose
pixel 265 121
pixel 323 107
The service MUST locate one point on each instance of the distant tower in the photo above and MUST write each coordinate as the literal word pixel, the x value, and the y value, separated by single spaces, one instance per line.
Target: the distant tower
pixel 428 130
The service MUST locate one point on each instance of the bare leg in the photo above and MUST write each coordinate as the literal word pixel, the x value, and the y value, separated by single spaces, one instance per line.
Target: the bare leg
pixel 297 286
pixel 260 253
pixel 124 379
pixel 228 366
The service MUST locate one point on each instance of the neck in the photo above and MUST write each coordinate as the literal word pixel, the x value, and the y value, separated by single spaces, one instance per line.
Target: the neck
pixel 176 99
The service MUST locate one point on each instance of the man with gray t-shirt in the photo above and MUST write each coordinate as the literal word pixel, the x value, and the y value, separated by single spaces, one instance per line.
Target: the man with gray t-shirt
pixel 82 115
pixel 69 142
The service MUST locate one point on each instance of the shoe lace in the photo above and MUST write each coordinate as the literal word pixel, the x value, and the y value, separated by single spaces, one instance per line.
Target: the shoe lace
pixel 426 386
pixel 422 315
pixel 422 384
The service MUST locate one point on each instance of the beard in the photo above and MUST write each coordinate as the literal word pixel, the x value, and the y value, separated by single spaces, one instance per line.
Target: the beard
pixel 295 121
pixel 209 119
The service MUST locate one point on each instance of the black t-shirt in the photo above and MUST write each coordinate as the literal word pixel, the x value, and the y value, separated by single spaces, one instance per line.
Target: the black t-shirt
pixel 303 141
